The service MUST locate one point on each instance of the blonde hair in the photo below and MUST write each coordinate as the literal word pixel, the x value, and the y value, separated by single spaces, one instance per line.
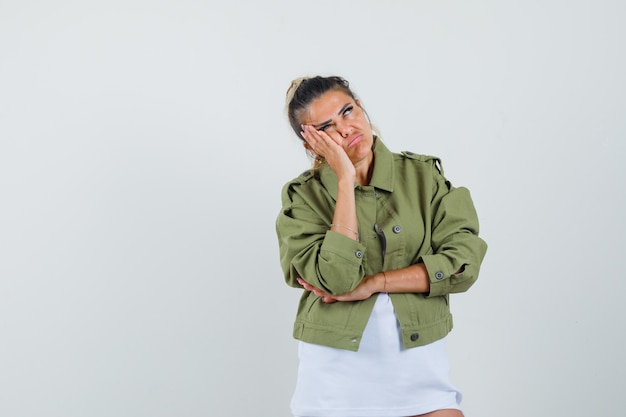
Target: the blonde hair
pixel 291 91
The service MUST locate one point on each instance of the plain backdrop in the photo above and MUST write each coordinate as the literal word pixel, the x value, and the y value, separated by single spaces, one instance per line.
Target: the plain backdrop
pixel 143 146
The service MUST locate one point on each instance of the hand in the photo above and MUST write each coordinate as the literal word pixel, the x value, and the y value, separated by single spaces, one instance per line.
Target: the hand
pixel 323 144
pixel 362 292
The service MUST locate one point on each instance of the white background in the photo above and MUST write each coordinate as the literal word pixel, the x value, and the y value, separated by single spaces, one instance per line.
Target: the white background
pixel 143 145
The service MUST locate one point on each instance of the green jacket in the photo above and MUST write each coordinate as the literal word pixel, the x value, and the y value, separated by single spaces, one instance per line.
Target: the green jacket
pixel 421 217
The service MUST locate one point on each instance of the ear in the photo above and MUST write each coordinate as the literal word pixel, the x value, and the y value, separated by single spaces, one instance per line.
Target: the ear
pixel 358 103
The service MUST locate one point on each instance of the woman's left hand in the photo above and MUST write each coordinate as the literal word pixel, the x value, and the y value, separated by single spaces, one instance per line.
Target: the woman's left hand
pixel 362 292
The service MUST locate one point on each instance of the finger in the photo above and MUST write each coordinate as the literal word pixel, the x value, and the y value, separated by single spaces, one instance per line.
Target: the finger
pixel 330 138
pixel 311 288
pixel 307 286
pixel 306 130
pixel 319 292
pixel 314 141
pixel 334 139
pixel 311 132
pixel 319 136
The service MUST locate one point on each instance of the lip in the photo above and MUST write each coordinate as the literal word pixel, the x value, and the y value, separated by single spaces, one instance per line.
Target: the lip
pixel 355 141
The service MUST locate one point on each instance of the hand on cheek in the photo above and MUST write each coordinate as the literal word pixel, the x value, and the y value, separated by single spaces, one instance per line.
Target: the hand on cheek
pixel 317 141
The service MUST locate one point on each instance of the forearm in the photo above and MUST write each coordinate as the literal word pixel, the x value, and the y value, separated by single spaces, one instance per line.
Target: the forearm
pixel 328 259
pixel 412 279
pixel 458 251
pixel 344 217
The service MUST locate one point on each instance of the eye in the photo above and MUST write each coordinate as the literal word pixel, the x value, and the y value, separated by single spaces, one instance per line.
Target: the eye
pixel 324 128
pixel 348 110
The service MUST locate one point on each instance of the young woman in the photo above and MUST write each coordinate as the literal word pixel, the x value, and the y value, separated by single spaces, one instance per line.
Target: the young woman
pixel 378 240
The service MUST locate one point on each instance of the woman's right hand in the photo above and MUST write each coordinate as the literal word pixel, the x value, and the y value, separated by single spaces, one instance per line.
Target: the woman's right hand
pixel 369 285
pixel 322 144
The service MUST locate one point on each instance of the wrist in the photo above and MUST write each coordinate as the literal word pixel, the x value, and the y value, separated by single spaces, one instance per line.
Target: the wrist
pixel 346 181
pixel 382 282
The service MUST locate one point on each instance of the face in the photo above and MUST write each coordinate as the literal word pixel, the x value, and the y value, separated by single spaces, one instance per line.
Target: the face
pixel 343 119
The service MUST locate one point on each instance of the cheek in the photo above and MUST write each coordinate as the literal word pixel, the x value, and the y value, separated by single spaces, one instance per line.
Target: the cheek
pixel 361 119
pixel 335 136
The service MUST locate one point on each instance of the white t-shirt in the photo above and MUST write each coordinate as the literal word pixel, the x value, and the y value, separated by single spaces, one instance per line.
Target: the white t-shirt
pixel 382 379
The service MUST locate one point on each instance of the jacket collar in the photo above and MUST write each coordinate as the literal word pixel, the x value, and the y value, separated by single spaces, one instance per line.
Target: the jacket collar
pixel 382 177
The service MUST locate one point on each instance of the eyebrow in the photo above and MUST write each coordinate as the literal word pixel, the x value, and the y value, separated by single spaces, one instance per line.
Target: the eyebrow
pixel 317 126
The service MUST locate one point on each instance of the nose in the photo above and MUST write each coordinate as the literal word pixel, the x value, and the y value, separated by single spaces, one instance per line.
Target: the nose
pixel 344 129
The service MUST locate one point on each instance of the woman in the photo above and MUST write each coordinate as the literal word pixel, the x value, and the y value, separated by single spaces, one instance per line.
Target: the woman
pixel 378 240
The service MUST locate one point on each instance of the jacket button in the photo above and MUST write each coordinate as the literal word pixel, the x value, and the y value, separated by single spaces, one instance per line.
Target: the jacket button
pixel 414 336
pixel 358 254
pixel 397 229
pixel 439 275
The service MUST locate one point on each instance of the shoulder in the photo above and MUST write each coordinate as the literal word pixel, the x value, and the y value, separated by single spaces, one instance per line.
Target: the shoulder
pixel 421 161
pixel 303 181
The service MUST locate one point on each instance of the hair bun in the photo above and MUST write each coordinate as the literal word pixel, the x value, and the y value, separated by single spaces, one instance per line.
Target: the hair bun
pixel 291 91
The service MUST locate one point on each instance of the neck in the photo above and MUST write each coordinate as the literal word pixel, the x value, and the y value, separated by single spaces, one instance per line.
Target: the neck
pixel 364 170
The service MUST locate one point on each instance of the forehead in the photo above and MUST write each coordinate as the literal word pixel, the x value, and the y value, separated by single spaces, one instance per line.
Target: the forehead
pixel 326 107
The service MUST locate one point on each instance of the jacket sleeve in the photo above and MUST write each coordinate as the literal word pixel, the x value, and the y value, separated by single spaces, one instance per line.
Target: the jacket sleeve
pixel 308 249
pixel 457 250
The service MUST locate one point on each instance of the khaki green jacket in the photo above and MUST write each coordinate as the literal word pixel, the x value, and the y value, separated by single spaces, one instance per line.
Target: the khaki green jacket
pixel 421 218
